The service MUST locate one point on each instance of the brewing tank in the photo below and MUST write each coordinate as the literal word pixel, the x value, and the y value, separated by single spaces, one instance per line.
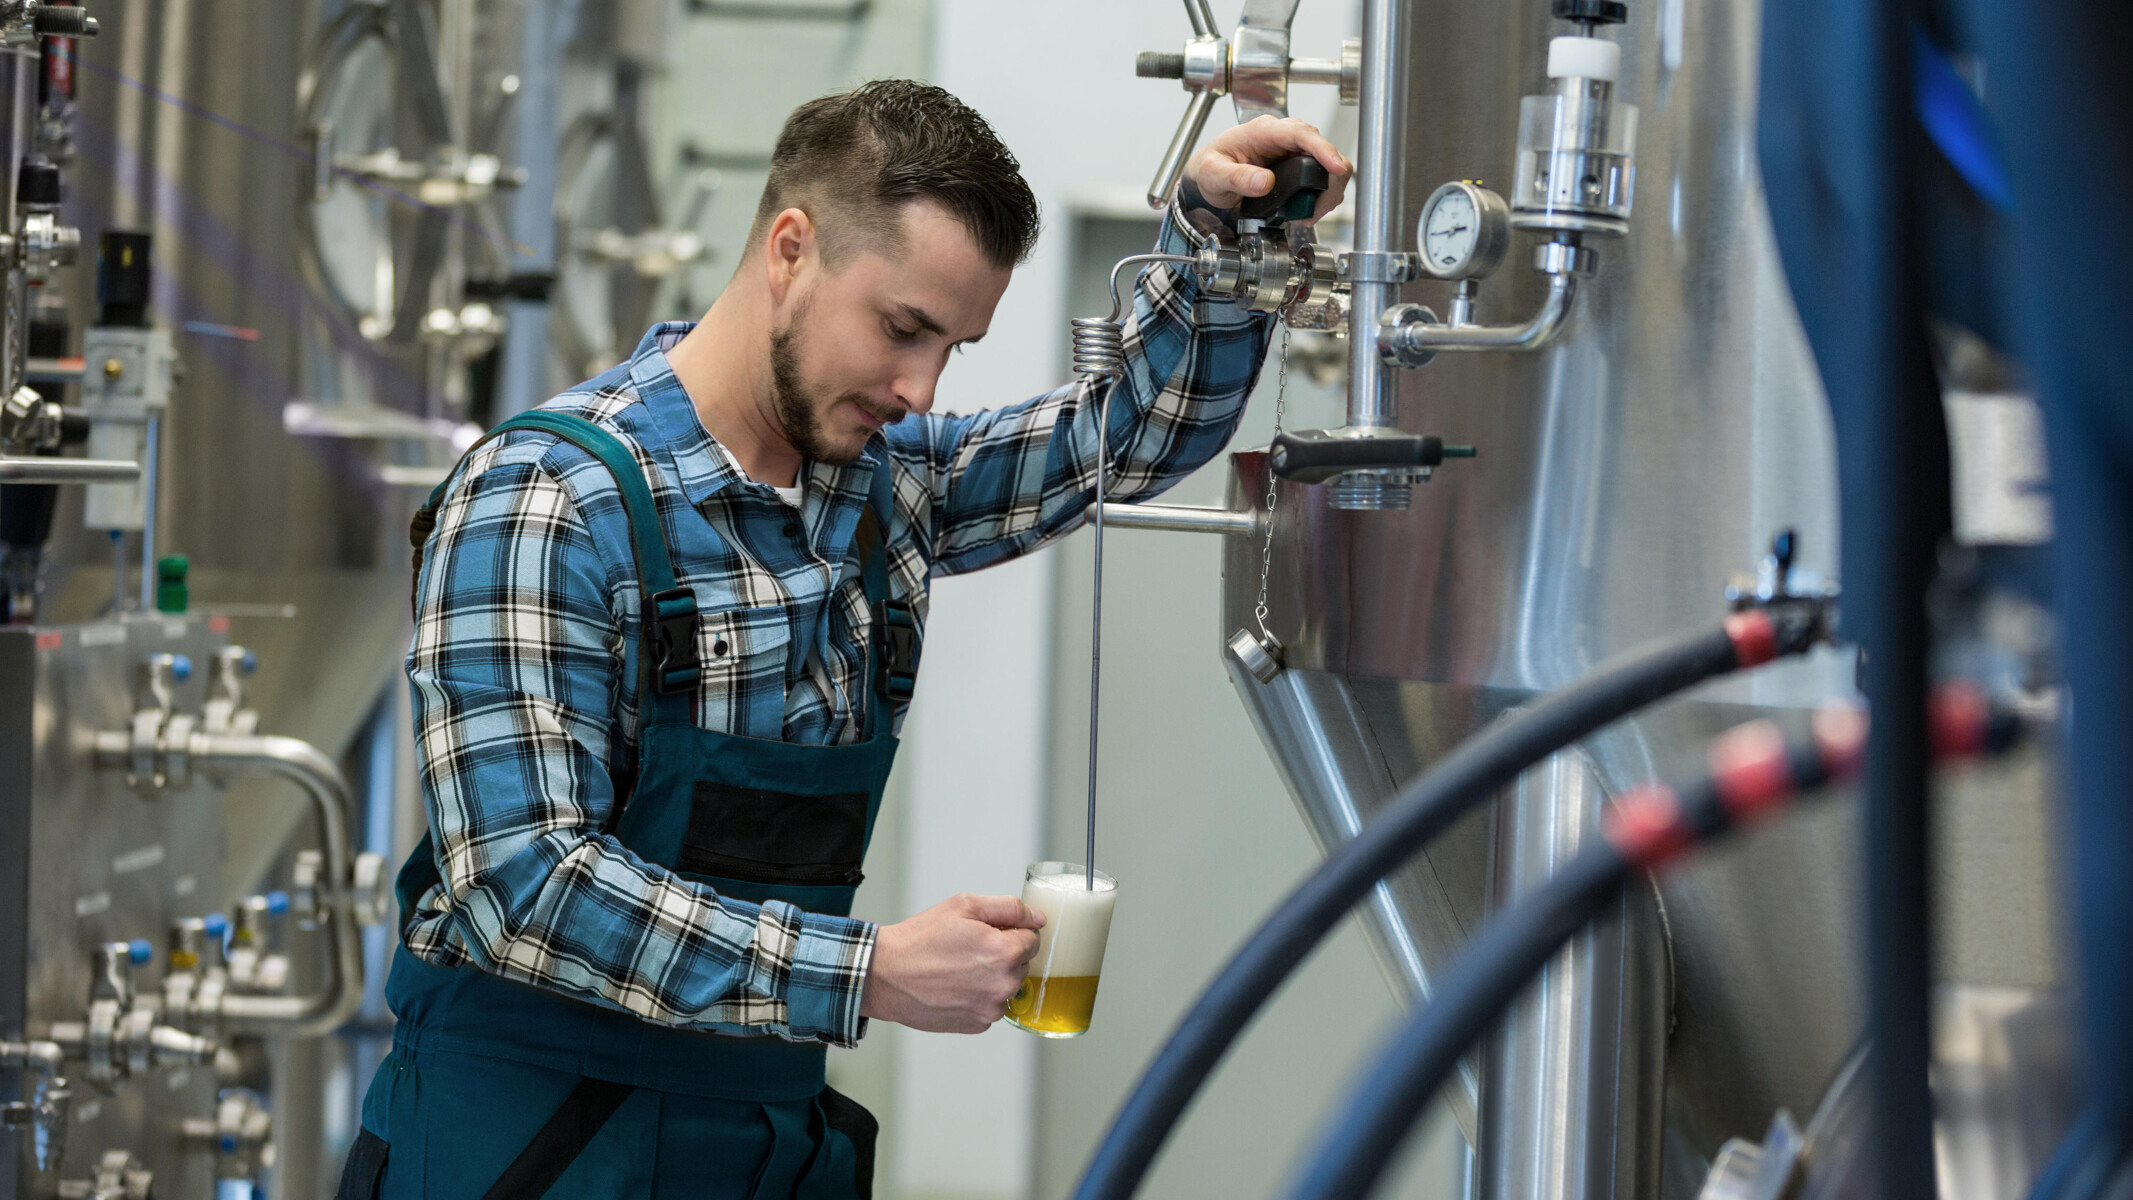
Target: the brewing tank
pixel 185 131
pixel 1624 474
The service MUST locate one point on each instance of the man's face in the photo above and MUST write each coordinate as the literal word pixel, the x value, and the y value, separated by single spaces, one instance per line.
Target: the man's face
pixel 863 345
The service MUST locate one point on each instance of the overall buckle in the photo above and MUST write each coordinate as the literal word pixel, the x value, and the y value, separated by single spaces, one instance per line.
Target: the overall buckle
pixel 895 650
pixel 670 641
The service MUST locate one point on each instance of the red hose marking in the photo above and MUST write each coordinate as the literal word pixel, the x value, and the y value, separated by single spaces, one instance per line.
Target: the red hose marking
pixel 1751 769
pixel 1645 824
pixel 1961 717
pixel 1754 636
pixel 1840 736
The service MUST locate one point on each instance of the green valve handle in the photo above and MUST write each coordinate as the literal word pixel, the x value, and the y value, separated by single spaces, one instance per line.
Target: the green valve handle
pixel 172 595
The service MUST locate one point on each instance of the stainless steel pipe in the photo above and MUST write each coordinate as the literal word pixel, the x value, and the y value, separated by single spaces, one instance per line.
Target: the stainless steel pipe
pixel 1380 166
pixel 301 763
pixel 1179 518
pixel 68 470
pixel 1409 336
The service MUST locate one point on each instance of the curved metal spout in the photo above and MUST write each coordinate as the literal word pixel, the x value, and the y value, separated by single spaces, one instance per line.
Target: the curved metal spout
pixel 1409 335
pixel 336 1001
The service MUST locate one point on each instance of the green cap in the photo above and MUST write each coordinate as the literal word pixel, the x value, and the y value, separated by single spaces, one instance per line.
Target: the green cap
pixel 171 596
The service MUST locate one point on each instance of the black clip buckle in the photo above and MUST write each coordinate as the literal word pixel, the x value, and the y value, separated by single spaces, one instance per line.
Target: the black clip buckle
pixel 670 641
pixel 895 650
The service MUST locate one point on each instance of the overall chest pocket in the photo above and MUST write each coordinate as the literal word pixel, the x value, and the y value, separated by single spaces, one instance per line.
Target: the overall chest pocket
pixel 764 836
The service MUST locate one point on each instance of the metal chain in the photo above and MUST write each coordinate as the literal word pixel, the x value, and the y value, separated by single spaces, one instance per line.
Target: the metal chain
pixel 1266 555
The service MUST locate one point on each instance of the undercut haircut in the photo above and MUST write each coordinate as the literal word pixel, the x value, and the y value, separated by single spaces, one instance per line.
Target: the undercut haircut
pixel 854 160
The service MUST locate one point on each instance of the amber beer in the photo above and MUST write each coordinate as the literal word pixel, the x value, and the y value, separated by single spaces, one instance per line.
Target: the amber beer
pixel 1059 994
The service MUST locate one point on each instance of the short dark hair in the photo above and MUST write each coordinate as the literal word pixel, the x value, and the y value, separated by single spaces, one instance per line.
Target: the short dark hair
pixel 853 160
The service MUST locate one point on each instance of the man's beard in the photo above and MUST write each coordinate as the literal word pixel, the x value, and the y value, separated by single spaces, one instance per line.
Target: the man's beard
pixel 798 415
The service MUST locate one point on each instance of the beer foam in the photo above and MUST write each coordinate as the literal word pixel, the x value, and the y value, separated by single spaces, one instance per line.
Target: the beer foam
pixel 1077 922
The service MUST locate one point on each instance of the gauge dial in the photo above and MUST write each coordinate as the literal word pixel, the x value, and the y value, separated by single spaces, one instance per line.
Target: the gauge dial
pixel 1464 231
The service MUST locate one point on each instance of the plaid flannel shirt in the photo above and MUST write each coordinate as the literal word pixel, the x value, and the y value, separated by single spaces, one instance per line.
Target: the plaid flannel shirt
pixel 523 665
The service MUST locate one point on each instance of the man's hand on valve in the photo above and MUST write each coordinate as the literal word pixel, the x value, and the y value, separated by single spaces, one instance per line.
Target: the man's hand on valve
pixel 953 967
pixel 1234 165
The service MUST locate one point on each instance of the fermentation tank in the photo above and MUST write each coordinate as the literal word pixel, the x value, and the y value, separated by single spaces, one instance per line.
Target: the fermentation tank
pixel 1625 474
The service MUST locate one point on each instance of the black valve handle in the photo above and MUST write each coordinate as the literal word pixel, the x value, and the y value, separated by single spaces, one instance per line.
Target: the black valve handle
pixel 1591 12
pixel 524 285
pixel 1298 183
pixel 1317 455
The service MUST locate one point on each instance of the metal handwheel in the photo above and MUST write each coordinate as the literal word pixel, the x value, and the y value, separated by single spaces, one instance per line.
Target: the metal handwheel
pixel 402 207
pixel 619 264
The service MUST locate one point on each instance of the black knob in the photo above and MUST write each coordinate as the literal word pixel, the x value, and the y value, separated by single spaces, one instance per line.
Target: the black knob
pixel 525 285
pixel 1154 64
pixel 1592 12
pixel 37 184
pixel 1783 548
pixel 62 20
pixel 1294 196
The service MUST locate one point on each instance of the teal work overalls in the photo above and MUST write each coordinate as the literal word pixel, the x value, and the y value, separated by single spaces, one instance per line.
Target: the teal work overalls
pixel 498 1089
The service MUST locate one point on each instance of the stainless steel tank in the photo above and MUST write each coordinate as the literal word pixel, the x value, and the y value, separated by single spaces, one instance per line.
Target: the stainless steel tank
pixel 189 129
pixel 1625 473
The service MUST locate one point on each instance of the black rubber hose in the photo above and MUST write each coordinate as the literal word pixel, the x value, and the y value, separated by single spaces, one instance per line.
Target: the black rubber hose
pixel 1504 957
pixel 1470 774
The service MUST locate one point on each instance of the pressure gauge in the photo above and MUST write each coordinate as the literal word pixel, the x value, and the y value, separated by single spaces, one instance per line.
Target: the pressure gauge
pixel 1464 231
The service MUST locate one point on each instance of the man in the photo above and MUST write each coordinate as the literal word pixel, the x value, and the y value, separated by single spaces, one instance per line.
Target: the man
pixel 665 627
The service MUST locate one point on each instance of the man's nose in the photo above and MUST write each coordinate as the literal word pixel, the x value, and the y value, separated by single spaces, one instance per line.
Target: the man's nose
pixel 916 391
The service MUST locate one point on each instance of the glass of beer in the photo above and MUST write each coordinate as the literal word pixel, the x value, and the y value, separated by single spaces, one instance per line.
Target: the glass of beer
pixel 1059 993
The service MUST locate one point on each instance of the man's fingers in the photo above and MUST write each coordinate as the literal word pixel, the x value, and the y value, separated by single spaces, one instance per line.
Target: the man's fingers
pixel 1248 180
pixel 1027 950
pixel 1003 912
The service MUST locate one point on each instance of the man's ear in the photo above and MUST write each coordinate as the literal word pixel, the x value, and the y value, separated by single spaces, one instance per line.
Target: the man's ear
pixel 790 250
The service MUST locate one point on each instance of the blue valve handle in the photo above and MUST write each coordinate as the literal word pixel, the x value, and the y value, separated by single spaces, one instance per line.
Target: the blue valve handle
pixel 140 952
pixel 216 926
pixel 181 667
pixel 277 902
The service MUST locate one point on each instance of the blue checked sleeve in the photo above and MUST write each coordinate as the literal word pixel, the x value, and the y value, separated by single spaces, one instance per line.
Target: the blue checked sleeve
pixel 516 674
pixel 1001 482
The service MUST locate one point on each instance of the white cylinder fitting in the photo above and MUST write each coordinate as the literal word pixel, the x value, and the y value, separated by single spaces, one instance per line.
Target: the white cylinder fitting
pixel 1584 58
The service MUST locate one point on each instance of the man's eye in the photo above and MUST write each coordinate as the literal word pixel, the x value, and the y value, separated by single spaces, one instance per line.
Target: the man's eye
pixel 899 334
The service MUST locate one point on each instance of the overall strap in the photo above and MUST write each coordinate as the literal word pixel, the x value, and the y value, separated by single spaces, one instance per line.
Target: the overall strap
pixel 894 645
pixel 668 666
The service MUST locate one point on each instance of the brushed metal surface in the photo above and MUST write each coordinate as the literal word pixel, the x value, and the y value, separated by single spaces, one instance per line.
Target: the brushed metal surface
pixel 1625 472
pixel 208 158
pixel 97 863
pixel 1584 1049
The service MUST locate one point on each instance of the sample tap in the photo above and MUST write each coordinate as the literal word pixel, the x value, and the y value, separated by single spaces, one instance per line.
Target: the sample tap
pixel 1270 264
pixel 1573 182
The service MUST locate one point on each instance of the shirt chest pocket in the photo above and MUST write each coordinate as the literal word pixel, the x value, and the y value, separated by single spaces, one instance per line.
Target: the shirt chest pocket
pixel 742 652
